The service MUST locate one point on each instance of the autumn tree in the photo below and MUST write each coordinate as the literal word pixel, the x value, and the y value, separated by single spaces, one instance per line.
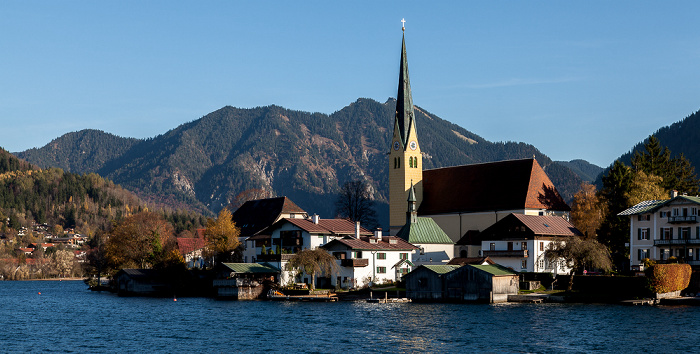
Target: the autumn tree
pixel 578 253
pixel 355 203
pixel 139 241
pixel 312 262
pixel 645 187
pixel 587 210
pixel 222 236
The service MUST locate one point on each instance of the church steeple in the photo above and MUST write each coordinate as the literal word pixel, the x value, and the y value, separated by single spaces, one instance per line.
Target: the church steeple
pixel 405 158
pixel 412 213
pixel 404 101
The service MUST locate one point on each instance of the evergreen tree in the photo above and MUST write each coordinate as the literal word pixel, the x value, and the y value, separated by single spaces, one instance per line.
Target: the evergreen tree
pixel 614 232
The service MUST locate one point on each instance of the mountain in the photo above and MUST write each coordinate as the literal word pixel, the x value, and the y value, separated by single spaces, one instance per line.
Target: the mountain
pixel 584 169
pixel 681 138
pixel 306 156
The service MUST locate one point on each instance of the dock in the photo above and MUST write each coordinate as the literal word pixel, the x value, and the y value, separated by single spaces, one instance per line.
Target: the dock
pixel 638 302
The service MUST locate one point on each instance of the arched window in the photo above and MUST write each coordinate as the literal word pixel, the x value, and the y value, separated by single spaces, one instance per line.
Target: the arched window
pixel 410 162
pixel 398 159
pixel 394 163
pixel 415 162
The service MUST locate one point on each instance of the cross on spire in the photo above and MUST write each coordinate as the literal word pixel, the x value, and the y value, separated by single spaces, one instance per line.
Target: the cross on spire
pixel 403 24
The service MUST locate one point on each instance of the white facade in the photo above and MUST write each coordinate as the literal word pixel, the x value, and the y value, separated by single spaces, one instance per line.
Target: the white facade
pixel 523 255
pixel 433 253
pixel 660 230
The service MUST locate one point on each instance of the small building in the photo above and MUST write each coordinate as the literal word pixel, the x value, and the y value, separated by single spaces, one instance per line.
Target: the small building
pixel 484 283
pixel 191 249
pixel 425 283
pixel 140 282
pixel 244 281
pixel 520 242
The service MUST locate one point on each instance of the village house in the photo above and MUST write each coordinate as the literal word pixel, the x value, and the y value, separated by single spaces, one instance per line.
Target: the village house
pixel 661 229
pixel 191 249
pixel 254 216
pixel 462 200
pixel 520 242
pixel 370 259
pixel 291 235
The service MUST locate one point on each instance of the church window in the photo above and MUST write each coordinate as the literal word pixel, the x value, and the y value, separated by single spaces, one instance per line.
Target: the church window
pixel 410 162
pixel 398 162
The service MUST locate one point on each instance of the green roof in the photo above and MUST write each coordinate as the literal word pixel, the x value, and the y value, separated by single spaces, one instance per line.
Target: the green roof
pixel 495 269
pixel 442 269
pixel 250 268
pixel 424 230
pixel 650 206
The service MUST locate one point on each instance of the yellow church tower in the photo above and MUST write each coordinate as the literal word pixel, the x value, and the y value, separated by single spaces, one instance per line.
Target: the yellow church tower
pixel 405 159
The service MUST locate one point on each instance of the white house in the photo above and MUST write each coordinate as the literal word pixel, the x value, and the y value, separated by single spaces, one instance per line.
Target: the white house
pixel 660 229
pixel 375 259
pixel 520 242
pixel 291 235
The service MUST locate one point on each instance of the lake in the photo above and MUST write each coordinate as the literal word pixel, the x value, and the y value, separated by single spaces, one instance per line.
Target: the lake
pixel 66 317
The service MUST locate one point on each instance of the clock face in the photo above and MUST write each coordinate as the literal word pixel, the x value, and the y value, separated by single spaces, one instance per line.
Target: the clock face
pixel 396 145
pixel 413 145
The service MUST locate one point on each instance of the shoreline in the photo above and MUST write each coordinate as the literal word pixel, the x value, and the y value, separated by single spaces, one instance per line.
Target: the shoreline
pixel 51 279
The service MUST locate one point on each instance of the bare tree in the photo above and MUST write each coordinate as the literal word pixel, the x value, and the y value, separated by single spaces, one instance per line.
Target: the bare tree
pixel 577 253
pixel 354 202
pixel 313 262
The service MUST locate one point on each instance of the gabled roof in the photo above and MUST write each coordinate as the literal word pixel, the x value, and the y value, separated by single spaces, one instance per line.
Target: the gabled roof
pixel 136 273
pixel 190 244
pixel 471 260
pixel 494 269
pixel 502 185
pixel 424 231
pixel 249 268
pixel 519 226
pixel 650 206
pixel 441 268
pixel 363 243
pixel 255 215
pixel 338 227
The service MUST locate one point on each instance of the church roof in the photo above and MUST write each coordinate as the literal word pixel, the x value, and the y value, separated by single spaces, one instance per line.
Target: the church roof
pixel 424 231
pixel 255 215
pixel 502 185
pixel 404 101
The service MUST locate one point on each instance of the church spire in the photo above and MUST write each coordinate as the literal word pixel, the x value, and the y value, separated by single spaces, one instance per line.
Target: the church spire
pixel 404 101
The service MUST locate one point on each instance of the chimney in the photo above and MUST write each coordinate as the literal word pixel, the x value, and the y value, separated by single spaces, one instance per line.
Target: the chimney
pixel 357 229
pixel 378 234
pixel 314 218
pixel 674 193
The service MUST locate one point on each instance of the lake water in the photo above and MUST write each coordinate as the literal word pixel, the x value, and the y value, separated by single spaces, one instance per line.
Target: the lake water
pixel 66 317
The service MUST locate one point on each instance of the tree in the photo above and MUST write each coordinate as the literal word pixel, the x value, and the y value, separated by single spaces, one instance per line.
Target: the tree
pixel 222 236
pixel 677 173
pixel 614 231
pixel 587 210
pixel 645 187
pixel 313 261
pixel 64 261
pixel 578 252
pixel 141 240
pixel 355 203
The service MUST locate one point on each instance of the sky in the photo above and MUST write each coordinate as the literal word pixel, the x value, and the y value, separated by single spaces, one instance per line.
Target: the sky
pixel 578 80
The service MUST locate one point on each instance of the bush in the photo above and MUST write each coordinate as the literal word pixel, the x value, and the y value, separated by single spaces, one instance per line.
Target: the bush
pixel 665 278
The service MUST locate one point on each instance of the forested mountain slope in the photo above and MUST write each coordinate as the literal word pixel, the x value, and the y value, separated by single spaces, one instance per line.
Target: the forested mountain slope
pixel 205 163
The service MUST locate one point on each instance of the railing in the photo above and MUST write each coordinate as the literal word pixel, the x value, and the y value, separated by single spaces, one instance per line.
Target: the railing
pixel 273 257
pixel 679 219
pixel 354 262
pixel 683 241
pixel 514 253
pixel 217 283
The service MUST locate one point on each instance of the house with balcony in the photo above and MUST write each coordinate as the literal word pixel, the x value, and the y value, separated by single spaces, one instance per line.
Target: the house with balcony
pixel 520 242
pixel 376 259
pixel 661 229
pixel 291 235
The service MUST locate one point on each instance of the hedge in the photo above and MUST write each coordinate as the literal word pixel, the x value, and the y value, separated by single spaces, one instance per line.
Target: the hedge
pixel 665 278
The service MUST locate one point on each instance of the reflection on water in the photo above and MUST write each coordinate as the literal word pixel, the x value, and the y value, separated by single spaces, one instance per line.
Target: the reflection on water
pixel 75 319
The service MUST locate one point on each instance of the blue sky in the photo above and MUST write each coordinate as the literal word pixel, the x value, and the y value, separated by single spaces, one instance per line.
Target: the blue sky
pixel 575 79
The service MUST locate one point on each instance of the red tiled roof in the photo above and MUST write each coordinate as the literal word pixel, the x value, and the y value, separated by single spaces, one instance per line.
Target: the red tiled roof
pixel 334 226
pixel 255 215
pixel 189 244
pixel 502 185
pixel 363 243
pixel 534 225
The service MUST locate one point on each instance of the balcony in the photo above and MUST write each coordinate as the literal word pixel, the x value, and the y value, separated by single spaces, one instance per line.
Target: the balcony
pixel 677 242
pixel 354 262
pixel 514 253
pixel 273 257
pixel 677 219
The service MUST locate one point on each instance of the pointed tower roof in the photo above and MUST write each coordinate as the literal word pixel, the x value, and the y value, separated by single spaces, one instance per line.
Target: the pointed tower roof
pixel 412 194
pixel 404 101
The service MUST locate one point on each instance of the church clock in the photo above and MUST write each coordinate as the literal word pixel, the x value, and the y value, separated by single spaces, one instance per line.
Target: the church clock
pixel 413 145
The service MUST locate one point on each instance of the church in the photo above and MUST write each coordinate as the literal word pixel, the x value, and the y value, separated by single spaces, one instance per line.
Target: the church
pixel 461 200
